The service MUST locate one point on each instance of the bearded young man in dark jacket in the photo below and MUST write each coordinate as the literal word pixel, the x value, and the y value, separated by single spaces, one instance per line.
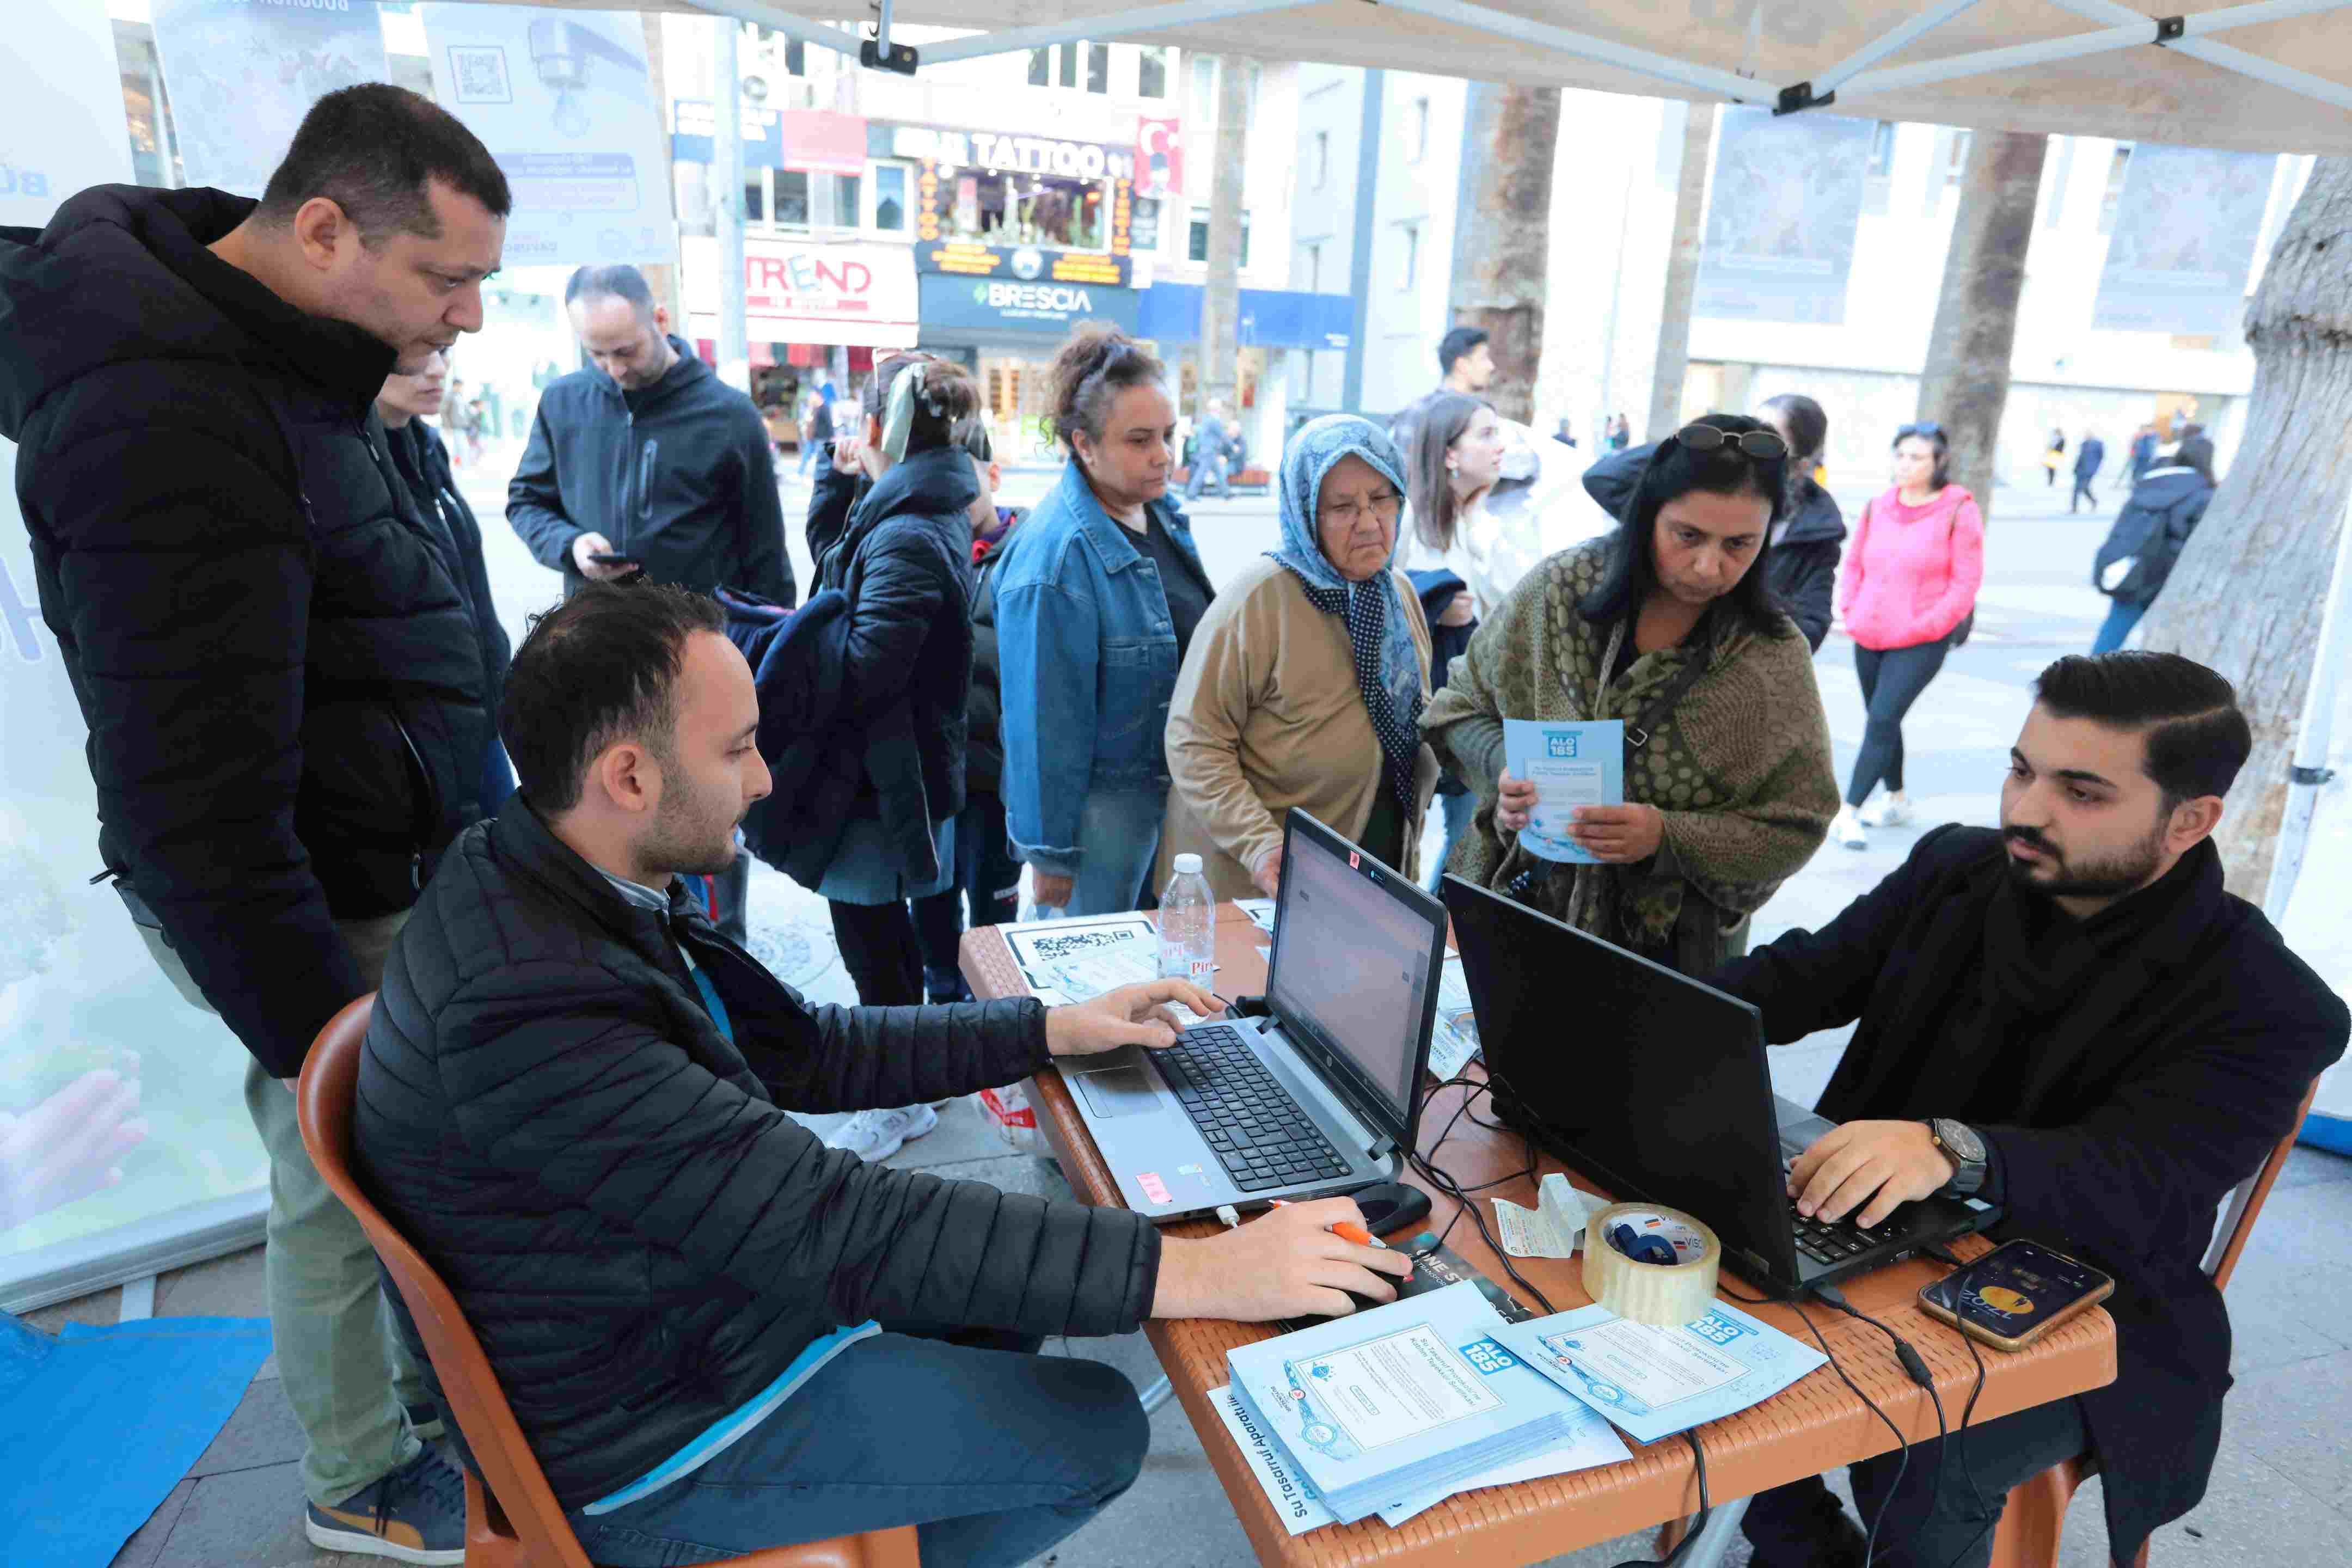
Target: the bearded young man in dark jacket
pixel 283 679
pixel 2071 1019
pixel 716 1334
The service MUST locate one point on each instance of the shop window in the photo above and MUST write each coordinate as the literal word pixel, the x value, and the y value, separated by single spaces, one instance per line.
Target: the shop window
pixel 1408 258
pixel 1000 208
pixel 1312 273
pixel 791 198
pixel 1098 67
pixel 890 197
pixel 1067 56
pixel 1319 167
pixel 1143 226
pixel 848 201
pixel 1152 71
pixel 755 198
pixel 1417 132
pixel 1198 250
pixel 1040 66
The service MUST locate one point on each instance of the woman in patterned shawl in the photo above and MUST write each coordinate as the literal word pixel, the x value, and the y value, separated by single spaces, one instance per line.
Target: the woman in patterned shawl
pixel 1668 624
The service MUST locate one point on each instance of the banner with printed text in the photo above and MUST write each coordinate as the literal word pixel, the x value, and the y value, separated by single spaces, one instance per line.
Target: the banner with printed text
pixel 241 73
pixel 1782 215
pixel 2185 231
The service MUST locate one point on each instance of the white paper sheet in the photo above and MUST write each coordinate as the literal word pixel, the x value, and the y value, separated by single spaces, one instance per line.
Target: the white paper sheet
pixel 1555 1227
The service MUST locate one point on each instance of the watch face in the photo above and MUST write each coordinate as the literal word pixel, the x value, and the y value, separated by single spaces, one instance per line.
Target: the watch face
pixel 1962 1140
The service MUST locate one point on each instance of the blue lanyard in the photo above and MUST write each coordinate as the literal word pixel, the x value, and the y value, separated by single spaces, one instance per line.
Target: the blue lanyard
pixel 710 1002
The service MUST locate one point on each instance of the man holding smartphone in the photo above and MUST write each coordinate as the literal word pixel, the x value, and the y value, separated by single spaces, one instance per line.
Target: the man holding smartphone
pixel 2070 1017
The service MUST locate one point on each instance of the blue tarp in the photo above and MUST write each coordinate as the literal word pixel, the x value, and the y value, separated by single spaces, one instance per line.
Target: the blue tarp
pixel 99 1425
pixel 1272 318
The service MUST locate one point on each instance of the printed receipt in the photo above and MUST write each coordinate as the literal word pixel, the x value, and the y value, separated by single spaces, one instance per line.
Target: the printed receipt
pixel 1398 1386
pixel 1553 1229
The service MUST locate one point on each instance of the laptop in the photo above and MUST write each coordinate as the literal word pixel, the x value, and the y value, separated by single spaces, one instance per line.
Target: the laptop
pixel 1656 1084
pixel 1317 1096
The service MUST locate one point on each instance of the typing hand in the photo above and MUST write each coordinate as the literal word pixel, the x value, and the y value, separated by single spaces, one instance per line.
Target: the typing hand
pixel 1621 835
pixel 1885 1163
pixel 1130 1016
pixel 1515 804
pixel 1284 1264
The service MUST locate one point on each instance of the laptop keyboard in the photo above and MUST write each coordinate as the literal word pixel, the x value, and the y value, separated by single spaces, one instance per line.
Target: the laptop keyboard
pixel 1826 1241
pixel 1252 1124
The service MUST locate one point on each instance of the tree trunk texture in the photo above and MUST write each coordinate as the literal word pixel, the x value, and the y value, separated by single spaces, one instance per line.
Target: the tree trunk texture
pixel 2248 593
pixel 1502 243
pixel 1965 383
pixel 1221 301
pixel 1682 278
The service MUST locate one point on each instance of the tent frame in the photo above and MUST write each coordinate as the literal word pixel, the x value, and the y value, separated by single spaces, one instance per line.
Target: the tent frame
pixel 1860 75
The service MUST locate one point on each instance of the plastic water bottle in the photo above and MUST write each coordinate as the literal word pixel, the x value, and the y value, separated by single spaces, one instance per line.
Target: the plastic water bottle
pixel 1188 926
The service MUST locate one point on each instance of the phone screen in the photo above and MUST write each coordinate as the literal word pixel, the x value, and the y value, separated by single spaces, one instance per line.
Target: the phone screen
pixel 2015 1288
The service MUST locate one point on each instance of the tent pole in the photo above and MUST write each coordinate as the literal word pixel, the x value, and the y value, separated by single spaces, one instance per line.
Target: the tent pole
pixel 2016 57
pixel 1900 38
pixel 1151 19
pixel 2309 773
pixel 1664 68
pixel 2225 55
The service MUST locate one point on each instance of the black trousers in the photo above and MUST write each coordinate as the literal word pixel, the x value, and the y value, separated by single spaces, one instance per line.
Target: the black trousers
pixel 878 949
pixel 2082 492
pixel 1925 1525
pixel 987 875
pixel 1891 680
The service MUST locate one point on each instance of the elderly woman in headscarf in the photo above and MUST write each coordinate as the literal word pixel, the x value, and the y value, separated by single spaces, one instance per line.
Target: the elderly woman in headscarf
pixel 1305 680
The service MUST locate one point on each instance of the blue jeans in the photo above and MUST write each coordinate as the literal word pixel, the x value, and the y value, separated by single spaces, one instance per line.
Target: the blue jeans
pixel 1118 833
pixel 2122 616
pixel 1202 467
pixel 1458 810
pixel 992 1452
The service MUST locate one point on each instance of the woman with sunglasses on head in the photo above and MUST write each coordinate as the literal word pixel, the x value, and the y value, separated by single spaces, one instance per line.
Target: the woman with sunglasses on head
pixel 1307 678
pixel 1907 593
pixel 1668 624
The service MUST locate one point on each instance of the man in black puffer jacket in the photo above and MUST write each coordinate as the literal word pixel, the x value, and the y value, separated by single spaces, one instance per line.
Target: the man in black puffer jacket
pixel 573 1100
pixel 282 678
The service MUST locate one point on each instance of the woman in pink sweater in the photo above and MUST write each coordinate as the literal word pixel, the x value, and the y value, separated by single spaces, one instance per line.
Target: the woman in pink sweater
pixel 1911 576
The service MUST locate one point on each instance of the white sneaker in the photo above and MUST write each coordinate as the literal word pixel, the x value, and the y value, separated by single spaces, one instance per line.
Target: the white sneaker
pixel 878 1134
pixel 1846 829
pixel 1892 809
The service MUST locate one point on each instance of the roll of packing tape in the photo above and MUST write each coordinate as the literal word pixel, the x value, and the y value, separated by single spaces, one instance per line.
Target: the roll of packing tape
pixel 1666 1295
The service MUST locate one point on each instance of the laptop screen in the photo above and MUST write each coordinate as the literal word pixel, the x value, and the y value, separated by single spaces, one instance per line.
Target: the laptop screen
pixel 1355 967
pixel 1652 1081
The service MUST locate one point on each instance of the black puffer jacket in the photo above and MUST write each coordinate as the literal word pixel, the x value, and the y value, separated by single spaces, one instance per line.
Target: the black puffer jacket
pixel 639 1235
pixel 2165 508
pixel 985 752
pixel 1801 565
pixel 281 674
pixel 904 562
pixel 423 459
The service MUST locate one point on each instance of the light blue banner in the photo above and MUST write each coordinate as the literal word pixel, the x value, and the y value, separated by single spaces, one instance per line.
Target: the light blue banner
pixel 241 73
pixel 2186 227
pixel 1781 216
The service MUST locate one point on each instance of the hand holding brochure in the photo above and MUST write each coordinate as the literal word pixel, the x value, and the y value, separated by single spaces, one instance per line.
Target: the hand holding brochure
pixel 1571 765
pixel 1653 1383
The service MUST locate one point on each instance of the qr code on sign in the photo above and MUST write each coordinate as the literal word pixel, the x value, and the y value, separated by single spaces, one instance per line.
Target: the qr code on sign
pixel 480 74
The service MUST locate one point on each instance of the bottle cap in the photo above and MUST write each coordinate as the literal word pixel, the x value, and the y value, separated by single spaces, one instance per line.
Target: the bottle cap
pixel 1188 865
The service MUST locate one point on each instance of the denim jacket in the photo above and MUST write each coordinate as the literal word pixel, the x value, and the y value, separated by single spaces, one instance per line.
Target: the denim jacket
pixel 1089 659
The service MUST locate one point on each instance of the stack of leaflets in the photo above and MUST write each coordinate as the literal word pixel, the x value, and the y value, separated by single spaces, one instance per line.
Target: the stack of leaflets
pixel 1393 1409
pixel 1653 1383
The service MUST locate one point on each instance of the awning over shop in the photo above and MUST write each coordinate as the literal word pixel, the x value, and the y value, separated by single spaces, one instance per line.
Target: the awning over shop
pixel 1270 318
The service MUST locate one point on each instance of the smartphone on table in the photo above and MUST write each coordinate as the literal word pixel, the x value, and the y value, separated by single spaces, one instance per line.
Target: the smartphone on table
pixel 2015 1294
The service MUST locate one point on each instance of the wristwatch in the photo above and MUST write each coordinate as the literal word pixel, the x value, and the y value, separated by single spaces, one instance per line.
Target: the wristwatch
pixel 1958 1143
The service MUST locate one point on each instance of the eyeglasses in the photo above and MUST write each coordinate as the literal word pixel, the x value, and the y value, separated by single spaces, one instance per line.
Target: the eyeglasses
pixel 1762 444
pixel 1930 430
pixel 1382 508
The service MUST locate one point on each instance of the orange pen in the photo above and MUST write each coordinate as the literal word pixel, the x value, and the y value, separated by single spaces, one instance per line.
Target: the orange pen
pixel 1346 1230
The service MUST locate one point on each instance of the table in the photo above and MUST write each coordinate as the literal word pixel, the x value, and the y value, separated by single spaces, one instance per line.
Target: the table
pixel 1814 1424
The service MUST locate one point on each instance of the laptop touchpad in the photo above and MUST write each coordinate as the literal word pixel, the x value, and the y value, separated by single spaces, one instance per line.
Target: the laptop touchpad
pixel 1118 1091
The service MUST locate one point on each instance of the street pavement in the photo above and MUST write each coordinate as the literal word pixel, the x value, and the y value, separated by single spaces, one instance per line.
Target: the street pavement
pixel 2282 1493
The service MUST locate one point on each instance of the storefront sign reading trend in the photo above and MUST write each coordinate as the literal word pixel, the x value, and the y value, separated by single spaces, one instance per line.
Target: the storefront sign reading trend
pixel 862 295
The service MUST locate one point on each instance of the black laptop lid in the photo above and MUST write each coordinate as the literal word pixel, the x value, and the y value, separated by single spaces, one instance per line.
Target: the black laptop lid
pixel 1650 1080
pixel 1357 950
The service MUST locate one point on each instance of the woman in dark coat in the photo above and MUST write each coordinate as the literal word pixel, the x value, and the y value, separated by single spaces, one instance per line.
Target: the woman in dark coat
pixel 2166 506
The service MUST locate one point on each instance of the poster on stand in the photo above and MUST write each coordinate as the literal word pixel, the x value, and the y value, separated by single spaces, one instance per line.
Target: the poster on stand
pixel 241 73
pixel 1782 212
pixel 123 1121
pixel 2183 247
pixel 564 101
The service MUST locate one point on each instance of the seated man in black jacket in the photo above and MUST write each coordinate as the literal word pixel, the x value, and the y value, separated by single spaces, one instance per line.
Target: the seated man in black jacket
pixel 2070 1018
pixel 573 1100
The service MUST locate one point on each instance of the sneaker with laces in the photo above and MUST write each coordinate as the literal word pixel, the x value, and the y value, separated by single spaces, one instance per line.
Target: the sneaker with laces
pixel 416 1514
pixel 1892 809
pixel 1845 828
pixel 878 1134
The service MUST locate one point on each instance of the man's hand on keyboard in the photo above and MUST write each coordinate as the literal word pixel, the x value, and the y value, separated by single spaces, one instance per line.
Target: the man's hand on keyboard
pixel 1284 1264
pixel 1130 1016
pixel 1886 1163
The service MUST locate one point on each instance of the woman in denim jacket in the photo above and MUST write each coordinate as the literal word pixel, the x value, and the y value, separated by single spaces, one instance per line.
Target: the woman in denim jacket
pixel 1095 605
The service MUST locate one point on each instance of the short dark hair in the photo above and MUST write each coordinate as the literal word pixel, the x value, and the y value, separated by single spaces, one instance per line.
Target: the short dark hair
pixel 1675 470
pixel 373 150
pixel 2197 736
pixel 1457 344
pixel 619 281
pixel 600 667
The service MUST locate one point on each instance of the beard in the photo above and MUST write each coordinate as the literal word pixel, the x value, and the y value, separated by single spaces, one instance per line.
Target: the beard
pixel 2126 871
pixel 687 841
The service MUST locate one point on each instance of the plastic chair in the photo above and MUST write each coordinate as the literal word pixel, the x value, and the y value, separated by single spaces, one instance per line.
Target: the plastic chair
pixel 515 1521
pixel 2035 1517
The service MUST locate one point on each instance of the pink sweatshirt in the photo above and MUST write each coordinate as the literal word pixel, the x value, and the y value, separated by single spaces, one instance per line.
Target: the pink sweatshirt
pixel 1911 573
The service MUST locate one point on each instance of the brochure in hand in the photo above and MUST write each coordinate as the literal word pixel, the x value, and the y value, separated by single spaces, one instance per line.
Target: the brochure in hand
pixel 1653 1383
pixel 1407 1401
pixel 1571 765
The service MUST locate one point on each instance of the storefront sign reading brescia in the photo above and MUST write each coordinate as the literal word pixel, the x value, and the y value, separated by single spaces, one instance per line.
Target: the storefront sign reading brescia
pixel 1006 304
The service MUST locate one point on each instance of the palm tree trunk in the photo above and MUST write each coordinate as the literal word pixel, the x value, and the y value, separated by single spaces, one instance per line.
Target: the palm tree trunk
pixel 1672 365
pixel 2248 593
pixel 1965 383
pixel 1502 245
pixel 1221 301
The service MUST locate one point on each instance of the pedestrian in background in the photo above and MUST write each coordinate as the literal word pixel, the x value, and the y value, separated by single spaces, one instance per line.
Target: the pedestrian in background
pixel 2088 457
pixel 1465 367
pixel 416 450
pixel 2051 457
pixel 1620 435
pixel 2143 451
pixel 987 877
pixel 1095 609
pixel 2140 550
pixel 816 428
pixel 1306 682
pixel 1667 624
pixel 1565 436
pixel 1212 444
pixel 1908 592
